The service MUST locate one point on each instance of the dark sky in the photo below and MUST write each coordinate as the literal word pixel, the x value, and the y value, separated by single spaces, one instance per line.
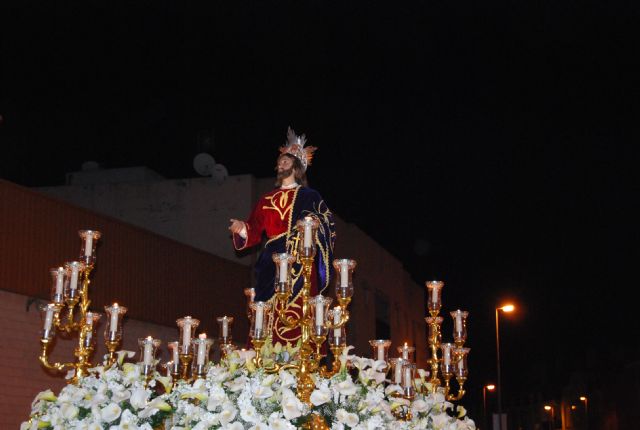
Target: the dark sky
pixel 492 145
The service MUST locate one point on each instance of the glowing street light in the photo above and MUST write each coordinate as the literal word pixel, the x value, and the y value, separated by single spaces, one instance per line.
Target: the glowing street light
pixel 506 308
pixel 549 408
pixel 586 411
pixel 486 388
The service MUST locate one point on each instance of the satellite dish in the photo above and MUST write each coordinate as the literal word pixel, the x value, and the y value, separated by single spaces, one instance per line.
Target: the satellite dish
pixel 219 173
pixel 204 164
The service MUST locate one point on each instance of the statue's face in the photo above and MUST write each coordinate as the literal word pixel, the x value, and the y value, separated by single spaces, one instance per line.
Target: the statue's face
pixel 284 164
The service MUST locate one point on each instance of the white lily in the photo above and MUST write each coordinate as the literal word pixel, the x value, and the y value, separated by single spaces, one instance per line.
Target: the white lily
pixel 111 412
pixel 347 418
pixel 346 387
pixel 278 423
pixel 291 405
pixel 320 396
pixel 139 397
pixel 228 413
pixel 69 411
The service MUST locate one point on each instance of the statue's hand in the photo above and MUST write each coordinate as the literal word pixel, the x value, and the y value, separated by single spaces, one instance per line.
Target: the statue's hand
pixel 236 226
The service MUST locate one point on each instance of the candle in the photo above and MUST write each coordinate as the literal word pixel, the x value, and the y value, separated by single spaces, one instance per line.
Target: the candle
pixel 186 334
pixel 447 354
pixel 319 311
pixel 89 319
pixel 407 377
pixel 434 293
pixel 88 244
pixel 147 351
pixel 405 351
pixel 337 332
pixel 398 372
pixel 380 352
pixel 225 327
pixel 344 274
pixel 48 319
pixel 74 277
pixel 283 270
pixel 258 318
pixel 202 349
pixel 307 232
pixel 458 321
pixel 59 281
pixel 113 323
pixel 174 352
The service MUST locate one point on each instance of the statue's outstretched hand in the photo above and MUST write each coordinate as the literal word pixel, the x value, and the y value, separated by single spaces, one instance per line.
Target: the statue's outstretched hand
pixel 236 226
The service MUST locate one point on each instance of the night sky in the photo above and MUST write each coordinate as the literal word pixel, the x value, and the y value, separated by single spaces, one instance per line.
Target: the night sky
pixel 491 145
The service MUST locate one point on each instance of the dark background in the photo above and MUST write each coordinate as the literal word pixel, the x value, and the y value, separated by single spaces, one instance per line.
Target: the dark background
pixel 491 145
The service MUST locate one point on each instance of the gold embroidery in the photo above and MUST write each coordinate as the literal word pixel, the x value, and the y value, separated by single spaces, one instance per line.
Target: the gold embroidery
pixel 280 203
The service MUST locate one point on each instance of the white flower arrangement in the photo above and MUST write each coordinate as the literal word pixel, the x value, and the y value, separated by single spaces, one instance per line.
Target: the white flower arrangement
pixel 236 395
pixel 113 398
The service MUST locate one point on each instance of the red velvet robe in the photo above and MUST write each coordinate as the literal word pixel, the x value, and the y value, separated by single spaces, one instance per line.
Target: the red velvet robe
pixel 272 216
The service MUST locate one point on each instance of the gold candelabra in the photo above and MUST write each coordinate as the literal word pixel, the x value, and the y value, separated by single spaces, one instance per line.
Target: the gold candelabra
pixel 447 359
pixel 68 312
pixel 314 322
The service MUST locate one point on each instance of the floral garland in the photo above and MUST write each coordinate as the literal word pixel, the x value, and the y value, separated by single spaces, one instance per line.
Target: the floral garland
pixel 235 395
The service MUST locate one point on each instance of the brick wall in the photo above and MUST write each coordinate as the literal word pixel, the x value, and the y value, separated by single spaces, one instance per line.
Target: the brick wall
pixel 22 375
pixel 157 279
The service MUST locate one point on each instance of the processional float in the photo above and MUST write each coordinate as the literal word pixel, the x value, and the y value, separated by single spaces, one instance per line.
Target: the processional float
pixel 69 312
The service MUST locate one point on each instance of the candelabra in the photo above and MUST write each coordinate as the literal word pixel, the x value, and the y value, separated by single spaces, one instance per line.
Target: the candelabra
pixel 447 359
pixel 69 312
pixel 316 322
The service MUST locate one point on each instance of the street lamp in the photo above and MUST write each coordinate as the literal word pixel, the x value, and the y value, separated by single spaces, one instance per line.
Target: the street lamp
pixel 549 408
pixel 486 388
pixel 586 411
pixel 505 308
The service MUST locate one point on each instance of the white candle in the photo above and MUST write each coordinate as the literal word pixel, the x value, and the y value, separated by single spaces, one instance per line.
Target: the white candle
pixel 59 281
pixel 434 294
pixel 174 356
pixel 381 352
pixel 407 377
pixel 319 312
pixel 283 270
pixel 201 349
pixel 307 232
pixel 405 351
pixel 337 332
pixel 398 372
pixel 447 356
pixel 258 318
pixel 74 277
pixel 147 351
pixel 88 244
pixel 186 334
pixel 48 319
pixel 113 323
pixel 458 321
pixel 225 327
pixel 344 274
